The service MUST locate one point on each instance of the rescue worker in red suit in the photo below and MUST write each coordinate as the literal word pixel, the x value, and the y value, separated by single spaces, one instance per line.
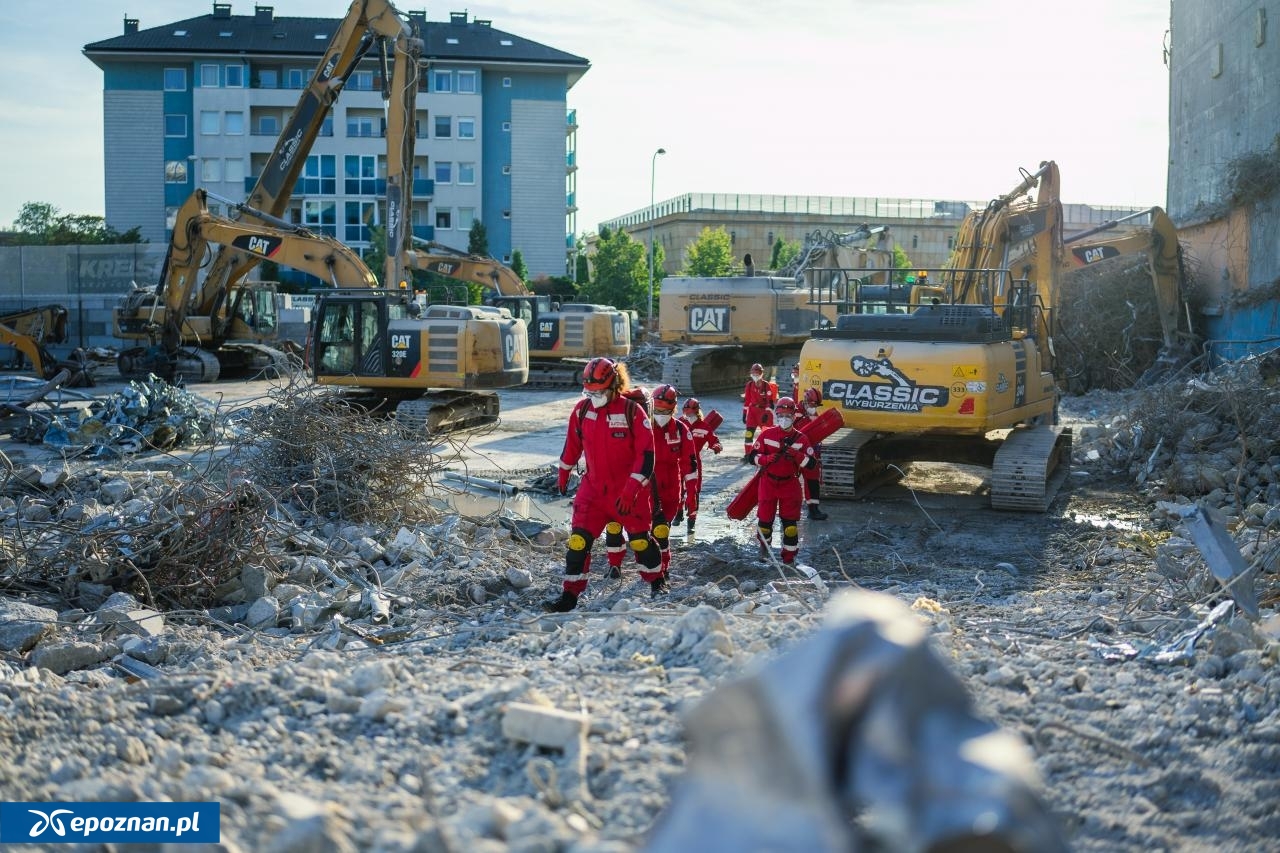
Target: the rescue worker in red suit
pixel 675 467
pixel 782 452
pixel 703 437
pixel 813 474
pixel 614 435
pixel 757 406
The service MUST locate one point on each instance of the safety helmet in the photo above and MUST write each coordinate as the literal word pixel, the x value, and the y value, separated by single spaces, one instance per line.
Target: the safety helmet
pixel 664 398
pixel 692 405
pixel 812 397
pixel 785 406
pixel 756 368
pixel 599 374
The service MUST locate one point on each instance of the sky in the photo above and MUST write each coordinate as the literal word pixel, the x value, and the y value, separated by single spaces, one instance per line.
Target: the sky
pixel 932 99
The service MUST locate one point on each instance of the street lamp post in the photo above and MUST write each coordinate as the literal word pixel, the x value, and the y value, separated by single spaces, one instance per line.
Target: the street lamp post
pixel 653 166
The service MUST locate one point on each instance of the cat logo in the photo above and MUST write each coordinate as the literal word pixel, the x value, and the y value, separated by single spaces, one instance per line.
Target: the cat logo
pixel 260 246
pixel 400 341
pixel 509 349
pixel 709 318
pixel 546 327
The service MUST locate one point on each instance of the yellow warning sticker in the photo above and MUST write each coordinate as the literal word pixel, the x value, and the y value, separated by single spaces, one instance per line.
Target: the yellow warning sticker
pixel 964 371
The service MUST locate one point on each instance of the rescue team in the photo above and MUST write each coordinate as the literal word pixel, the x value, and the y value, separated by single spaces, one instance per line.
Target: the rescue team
pixel 644 472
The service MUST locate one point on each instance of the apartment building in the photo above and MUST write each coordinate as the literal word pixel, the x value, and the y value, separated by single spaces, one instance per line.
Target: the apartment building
pixel 200 102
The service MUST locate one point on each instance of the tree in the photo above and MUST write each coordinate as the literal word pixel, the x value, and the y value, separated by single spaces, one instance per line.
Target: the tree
pixel 518 265
pixel 901 264
pixel 375 257
pixel 711 254
pixel 621 273
pixel 41 224
pixel 784 252
pixel 478 239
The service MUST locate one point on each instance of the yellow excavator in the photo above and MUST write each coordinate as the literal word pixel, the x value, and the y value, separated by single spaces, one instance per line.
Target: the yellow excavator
pixel 211 338
pixel 562 336
pixel 721 325
pixel 30 330
pixel 966 377
pixel 166 322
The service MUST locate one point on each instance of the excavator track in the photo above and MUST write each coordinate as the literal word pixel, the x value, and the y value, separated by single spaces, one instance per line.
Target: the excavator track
pixel 1030 467
pixel 702 370
pixel 849 472
pixel 443 412
pixel 563 375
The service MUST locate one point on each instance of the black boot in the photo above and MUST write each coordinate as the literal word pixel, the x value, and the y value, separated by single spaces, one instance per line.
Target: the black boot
pixel 658 586
pixel 816 514
pixel 566 602
pixel 614 573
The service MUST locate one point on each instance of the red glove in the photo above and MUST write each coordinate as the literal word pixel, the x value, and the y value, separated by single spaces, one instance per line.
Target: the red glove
pixel 627 500
pixel 562 481
pixel 764 460
pixel 716 447
pixel 796 454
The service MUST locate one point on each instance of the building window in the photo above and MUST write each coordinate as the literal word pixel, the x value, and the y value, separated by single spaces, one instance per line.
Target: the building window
pixel 466 82
pixel 506 127
pixel 443 127
pixel 319 176
pixel 175 79
pixel 210 170
pixel 175 124
pixel 506 170
pixel 442 81
pixel 175 172
pixel 362 81
pixel 466 173
pixel 235 124
pixel 444 220
pixel 268 78
pixel 915 241
pixel 444 172
pixel 209 122
pixel 295 78
pixel 268 126
pixel 466 128
pixel 209 76
pixel 506 214
pixel 234 173
pixel 466 218
pixel 326 127
pixel 360 126
pixel 321 216
pixel 235 77
pixel 950 243
pixel 360 174
pixel 506 82
pixel 356 216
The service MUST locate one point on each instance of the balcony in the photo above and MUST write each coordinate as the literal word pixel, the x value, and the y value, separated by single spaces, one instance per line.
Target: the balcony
pixel 571 120
pixel 571 202
pixel 423 188
pixel 424 232
pixel 571 161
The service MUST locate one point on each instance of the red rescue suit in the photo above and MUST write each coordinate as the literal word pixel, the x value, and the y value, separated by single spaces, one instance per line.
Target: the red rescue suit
pixel 813 473
pixel 781 455
pixel 758 400
pixel 618 445
pixel 675 471
pixel 702 437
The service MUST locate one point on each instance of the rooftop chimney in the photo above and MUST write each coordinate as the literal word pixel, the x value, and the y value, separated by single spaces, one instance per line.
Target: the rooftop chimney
pixel 420 16
pixel 458 18
pixel 130 26
pixel 222 10
pixel 263 14
pixel 482 22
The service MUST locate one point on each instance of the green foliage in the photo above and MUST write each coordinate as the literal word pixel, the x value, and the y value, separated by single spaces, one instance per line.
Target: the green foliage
pixel 518 265
pixel 710 255
pixel 559 287
pixel 478 239
pixel 784 252
pixel 901 264
pixel 621 273
pixel 41 224
pixel 581 269
pixel 375 257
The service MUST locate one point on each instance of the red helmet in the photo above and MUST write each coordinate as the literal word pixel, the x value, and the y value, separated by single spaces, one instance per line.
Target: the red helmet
pixel 664 398
pixel 812 397
pixel 599 374
pixel 638 394
pixel 785 406
pixel 756 368
pixel 692 405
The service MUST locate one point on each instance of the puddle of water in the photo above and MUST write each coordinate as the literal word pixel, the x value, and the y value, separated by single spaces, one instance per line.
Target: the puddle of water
pixel 1102 523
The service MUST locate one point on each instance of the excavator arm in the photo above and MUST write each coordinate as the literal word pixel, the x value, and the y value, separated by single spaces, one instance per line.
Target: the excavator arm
pixel 1164 259
pixel 366 24
pixel 477 269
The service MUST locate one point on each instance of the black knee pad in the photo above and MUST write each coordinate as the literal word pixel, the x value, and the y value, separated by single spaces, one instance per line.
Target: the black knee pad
pixel 646 550
pixel 579 550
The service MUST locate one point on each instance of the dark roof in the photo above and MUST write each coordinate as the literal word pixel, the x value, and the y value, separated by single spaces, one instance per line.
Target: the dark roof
pixel 267 34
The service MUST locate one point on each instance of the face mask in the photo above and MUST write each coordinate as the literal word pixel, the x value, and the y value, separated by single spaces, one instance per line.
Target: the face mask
pixel 756 377
pixel 598 398
pixel 785 421
pixel 662 420
pixel 811 410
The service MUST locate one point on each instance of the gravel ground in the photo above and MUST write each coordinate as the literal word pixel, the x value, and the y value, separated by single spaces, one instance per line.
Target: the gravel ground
pixel 324 741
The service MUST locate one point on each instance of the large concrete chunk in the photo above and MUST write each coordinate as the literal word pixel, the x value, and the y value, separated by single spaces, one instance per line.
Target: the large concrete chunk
pixel 542 726
pixel 23 625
